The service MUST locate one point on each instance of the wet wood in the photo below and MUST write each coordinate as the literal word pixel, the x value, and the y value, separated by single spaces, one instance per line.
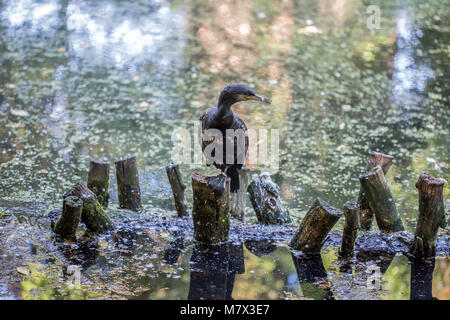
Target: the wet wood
pixel 98 181
pixel 211 207
pixel 351 226
pixel 431 215
pixel 265 197
pixel 366 214
pixel 128 184
pixel 67 225
pixel 238 199
pixel 380 200
pixel 93 214
pixel 176 182
pixel 314 227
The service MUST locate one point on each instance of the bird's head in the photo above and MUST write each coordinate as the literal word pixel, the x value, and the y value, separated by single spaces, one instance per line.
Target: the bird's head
pixel 239 92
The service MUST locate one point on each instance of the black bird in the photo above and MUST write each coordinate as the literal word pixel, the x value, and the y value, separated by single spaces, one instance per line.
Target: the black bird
pixel 223 118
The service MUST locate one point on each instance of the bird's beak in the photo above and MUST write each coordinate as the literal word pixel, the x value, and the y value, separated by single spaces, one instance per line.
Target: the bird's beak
pixel 259 98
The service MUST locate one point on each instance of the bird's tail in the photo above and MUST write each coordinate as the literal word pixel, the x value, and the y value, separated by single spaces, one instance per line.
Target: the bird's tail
pixel 233 173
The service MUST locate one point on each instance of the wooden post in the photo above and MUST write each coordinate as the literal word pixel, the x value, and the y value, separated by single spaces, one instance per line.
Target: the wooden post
pixel 366 214
pixel 431 215
pixel 98 181
pixel 266 200
pixel 128 184
pixel 67 224
pixel 380 199
pixel 422 279
pixel 174 175
pixel 351 213
pixel 93 214
pixel 211 208
pixel 238 199
pixel 314 227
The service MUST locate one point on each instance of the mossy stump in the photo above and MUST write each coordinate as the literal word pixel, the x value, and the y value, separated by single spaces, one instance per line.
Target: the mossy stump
pixel 67 224
pixel 93 214
pixel 431 215
pixel 128 184
pixel 174 175
pixel 380 200
pixel 210 211
pixel 351 226
pixel 366 214
pixel 314 228
pixel 98 181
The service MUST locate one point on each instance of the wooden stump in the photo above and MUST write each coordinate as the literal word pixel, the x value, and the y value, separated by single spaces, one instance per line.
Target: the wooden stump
pixel 380 199
pixel 351 226
pixel 422 280
pixel 238 199
pixel 128 184
pixel 211 208
pixel 93 214
pixel 431 215
pixel 174 175
pixel 314 227
pixel 265 197
pixel 98 181
pixel 366 214
pixel 67 225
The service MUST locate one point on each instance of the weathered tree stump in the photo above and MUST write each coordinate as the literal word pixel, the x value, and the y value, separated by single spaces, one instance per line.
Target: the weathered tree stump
pixel 128 184
pixel 431 215
pixel 93 214
pixel 98 181
pixel 366 214
pixel 238 199
pixel 211 207
pixel 174 175
pixel 380 199
pixel 351 226
pixel 67 225
pixel 266 200
pixel 314 227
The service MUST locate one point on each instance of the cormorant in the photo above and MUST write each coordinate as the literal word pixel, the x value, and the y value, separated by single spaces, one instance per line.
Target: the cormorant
pixel 223 118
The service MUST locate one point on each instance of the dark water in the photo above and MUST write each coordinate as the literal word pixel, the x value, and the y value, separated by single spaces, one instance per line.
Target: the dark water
pixel 105 79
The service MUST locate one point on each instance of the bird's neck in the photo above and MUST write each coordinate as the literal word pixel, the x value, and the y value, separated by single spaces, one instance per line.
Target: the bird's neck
pixel 223 114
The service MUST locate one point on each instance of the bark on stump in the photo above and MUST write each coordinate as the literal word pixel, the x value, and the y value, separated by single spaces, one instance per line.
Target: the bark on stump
pixel 314 227
pixel 431 215
pixel 98 181
pixel 366 214
pixel 211 207
pixel 128 184
pixel 380 199
pixel 67 225
pixel 93 214
pixel 238 199
pixel 351 213
pixel 174 175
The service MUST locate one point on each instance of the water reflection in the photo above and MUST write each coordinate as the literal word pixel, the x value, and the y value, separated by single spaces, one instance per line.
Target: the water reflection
pixel 422 280
pixel 213 270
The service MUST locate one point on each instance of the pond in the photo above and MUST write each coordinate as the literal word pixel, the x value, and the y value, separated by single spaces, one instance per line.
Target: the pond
pixel 83 80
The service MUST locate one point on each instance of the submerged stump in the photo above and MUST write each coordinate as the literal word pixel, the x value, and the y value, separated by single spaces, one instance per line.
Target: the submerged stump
pixel 67 225
pixel 314 227
pixel 128 184
pixel 366 213
pixel 211 207
pixel 431 215
pixel 93 214
pixel 380 199
pixel 351 226
pixel 238 199
pixel 98 181
pixel 174 175
pixel 266 201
